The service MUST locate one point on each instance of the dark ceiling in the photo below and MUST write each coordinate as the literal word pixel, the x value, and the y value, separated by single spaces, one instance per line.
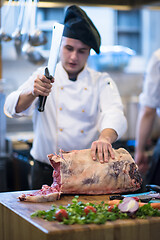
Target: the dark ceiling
pixel 121 4
pixel 130 3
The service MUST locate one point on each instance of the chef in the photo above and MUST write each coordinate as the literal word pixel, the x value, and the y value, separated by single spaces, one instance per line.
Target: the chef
pixel 150 107
pixel 83 107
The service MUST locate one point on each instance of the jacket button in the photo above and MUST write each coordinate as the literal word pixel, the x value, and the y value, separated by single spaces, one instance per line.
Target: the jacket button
pixel 61 129
pixel 60 109
pixel 62 88
pixel 83 110
pixel 82 131
pixel 85 88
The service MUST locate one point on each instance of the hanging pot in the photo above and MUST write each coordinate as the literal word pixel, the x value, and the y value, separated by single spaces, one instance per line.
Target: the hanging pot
pixel 38 38
pixel 33 55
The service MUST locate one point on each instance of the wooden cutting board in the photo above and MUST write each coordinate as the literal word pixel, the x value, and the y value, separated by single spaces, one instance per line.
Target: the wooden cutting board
pixel 16 223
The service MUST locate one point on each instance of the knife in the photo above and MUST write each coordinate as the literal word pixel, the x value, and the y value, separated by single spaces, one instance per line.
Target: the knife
pixel 142 197
pixel 53 58
pixel 153 187
pixel 151 196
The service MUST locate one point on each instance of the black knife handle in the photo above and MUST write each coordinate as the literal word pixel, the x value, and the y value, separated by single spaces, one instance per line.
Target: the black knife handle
pixel 42 99
pixel 116 197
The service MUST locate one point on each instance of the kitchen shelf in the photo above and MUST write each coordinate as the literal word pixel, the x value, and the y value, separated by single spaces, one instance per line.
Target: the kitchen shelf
pixel 128 30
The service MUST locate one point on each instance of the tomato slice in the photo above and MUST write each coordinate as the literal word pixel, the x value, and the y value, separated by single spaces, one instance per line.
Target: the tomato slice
pixel 87 209
pixel 110 208
pixel 136 198
pixel 60 214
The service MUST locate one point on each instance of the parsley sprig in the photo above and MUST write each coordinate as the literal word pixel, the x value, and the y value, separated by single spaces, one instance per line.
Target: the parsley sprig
pixel 77 215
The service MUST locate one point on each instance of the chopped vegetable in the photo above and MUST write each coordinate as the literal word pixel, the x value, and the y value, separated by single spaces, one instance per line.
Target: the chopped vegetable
pixel 129 205
pixel 110 208
pixel 114 202
pixel 81 213
pixel 136 198
pixel 60 214
pixel 147 210
pixel 155 205
pixel 88 209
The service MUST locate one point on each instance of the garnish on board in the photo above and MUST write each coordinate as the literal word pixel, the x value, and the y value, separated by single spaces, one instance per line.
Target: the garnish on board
pixel 85 213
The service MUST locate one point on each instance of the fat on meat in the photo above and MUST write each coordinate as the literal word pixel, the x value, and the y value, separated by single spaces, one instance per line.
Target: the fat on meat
pixel 76 173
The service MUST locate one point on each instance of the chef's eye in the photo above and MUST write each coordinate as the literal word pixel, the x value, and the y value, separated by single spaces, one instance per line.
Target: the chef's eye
pixel 82 51
pixel 69 48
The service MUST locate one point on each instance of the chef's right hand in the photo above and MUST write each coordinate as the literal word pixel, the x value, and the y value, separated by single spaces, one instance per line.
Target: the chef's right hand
pixel 102 149
pixel 42 86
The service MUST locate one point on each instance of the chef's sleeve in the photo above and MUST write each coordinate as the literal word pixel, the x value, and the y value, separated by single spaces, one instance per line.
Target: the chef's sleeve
pixel 111 108
pixel 12 99
pixel 150 95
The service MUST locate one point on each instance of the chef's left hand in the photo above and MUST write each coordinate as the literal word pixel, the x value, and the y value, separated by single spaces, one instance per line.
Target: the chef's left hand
pixel 102 149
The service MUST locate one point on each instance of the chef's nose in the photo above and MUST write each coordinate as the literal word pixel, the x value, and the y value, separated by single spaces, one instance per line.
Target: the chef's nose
pixel 74 55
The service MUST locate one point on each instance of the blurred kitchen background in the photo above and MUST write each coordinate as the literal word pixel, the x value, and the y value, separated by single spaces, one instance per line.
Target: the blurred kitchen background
pixel 130 34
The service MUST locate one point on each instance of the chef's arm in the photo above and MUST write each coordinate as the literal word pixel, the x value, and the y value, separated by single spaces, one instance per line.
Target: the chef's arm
pixel 108 134
pixel 144 128
pixel 24 101
pixel 102 147
pixel 42 86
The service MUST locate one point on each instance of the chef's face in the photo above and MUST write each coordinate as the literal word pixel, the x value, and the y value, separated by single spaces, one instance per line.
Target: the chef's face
pixel 74 55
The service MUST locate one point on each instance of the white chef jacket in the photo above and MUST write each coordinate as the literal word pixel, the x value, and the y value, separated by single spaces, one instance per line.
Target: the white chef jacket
pixel 75 111
pixel 151 90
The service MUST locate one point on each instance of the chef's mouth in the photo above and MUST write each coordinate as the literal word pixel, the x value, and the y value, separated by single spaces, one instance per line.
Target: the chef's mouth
pixel 72 64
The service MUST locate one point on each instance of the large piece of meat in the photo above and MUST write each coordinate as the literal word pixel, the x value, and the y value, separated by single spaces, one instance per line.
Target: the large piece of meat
pixel 76 173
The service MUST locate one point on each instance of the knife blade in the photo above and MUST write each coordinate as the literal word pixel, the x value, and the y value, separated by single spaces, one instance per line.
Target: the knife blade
pixel 145 197
pixel 153 187
pixel 151 196
pixel 53 58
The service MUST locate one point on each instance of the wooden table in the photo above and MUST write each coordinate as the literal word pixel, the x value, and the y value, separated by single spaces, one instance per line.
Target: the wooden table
pixel 16 223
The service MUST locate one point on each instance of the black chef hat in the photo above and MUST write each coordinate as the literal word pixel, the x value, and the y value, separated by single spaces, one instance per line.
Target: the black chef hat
pixel 78 25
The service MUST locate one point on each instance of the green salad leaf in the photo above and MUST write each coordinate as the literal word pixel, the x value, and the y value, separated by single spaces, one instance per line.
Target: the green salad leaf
pixel 147 210
pixel 85 213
